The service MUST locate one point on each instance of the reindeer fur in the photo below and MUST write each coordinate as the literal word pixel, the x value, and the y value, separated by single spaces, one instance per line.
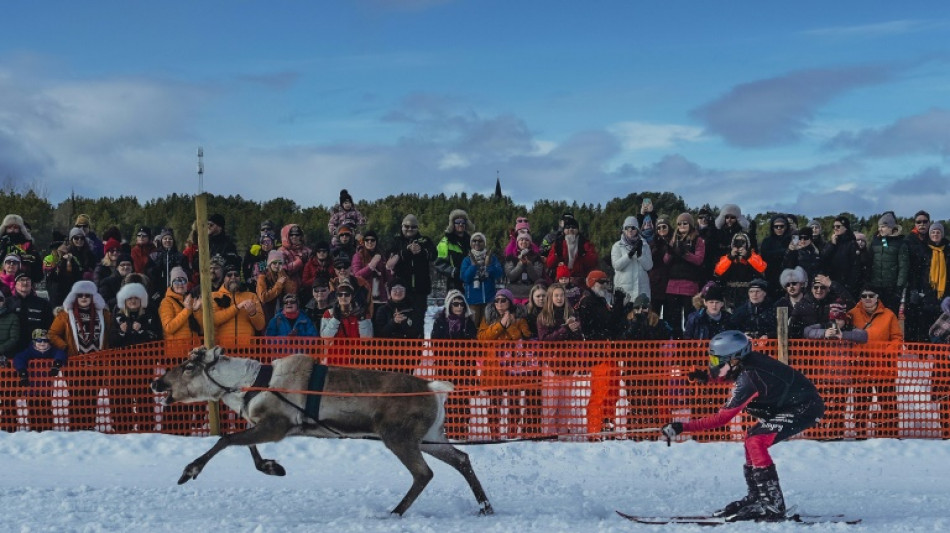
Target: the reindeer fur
pixel 407 425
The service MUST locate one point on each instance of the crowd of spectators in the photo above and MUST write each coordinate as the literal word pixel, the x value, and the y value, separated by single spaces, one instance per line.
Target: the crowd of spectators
pixel 666 277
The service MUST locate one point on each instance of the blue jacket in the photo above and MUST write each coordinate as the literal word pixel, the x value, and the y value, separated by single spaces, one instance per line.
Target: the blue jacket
pixel 21 361
pixel 281 326
pixel 485 290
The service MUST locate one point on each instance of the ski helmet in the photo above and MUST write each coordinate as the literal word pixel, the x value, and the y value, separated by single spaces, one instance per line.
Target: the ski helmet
pixel 726 346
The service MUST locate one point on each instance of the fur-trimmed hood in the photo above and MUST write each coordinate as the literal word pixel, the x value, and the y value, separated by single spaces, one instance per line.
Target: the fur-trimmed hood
pixel 459 213
pixel 451 295
pixel 732 209
pixel 18 220
pixel 84 287
pixel 129 290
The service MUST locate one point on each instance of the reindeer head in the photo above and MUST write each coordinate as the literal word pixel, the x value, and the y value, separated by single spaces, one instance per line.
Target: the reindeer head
pixel 191 381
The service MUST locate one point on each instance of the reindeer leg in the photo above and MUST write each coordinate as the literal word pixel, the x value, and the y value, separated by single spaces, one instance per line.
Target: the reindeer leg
pixel 458 460
pixel 272 429
pixel 410 455
pixel 267 466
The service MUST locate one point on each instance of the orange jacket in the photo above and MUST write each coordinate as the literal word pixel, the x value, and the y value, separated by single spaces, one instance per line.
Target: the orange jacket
pixel 881 325
pixel 61 332
pixel 175 317
pixel 231 322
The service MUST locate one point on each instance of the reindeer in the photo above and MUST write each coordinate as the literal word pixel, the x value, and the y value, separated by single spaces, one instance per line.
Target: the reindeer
pixel 407 424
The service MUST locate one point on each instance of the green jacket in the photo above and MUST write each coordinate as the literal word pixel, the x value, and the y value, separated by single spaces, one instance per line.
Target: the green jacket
pixel 890 262
pixel 9 332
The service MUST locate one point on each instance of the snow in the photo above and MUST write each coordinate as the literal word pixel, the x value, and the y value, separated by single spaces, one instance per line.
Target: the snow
pixel 92 482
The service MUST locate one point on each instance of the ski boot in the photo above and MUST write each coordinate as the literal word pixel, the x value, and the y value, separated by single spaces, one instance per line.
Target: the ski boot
pixel 749 498
pixel 769 504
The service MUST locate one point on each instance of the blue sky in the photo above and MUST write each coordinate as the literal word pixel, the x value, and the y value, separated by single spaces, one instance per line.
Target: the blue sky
pixel 808 107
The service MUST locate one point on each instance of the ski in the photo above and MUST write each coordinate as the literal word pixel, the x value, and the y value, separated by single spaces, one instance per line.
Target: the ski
pixel 709 520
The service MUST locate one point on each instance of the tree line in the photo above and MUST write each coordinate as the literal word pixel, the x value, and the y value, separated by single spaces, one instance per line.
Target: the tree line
pixel 493 216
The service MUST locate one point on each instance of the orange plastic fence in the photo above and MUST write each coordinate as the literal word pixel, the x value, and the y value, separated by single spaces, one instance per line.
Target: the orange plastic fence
pixel 514 390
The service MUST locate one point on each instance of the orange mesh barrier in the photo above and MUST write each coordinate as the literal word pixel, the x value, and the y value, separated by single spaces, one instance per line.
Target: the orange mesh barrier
pixel 515 390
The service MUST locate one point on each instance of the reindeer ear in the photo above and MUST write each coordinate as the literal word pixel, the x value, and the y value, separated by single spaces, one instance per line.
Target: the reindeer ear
pixel 196 354
pixel 212 354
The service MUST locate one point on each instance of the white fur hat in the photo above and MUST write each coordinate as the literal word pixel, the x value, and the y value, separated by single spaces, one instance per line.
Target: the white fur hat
pixel 84 287
pixel 129 290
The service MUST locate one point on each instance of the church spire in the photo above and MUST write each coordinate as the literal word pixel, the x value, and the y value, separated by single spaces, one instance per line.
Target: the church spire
pixel 497 186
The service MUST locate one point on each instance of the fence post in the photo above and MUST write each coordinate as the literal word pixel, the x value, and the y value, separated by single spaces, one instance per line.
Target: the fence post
pixel 204 270
pixel 781 315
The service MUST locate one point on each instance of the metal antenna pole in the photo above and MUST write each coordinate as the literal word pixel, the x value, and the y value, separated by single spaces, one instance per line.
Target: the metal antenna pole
pixel 201 170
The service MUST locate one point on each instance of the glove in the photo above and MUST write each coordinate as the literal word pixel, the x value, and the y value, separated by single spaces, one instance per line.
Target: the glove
pixel 24 378
pixel 637 248
pixel 54 370
pixel 698 375
pixel 670 431
pixel 4 362
pixel 619 295
pixel 223 302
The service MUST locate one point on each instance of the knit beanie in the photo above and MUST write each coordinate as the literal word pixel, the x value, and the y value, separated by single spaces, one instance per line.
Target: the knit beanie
pixel 217 219
pixel 177 272
pixel 82 220
pixel 506 293
pixel 345 197
pixel 887 220
pixel 274 255
pixel 630 221
pixel 936 226
pixel 595 275
pixel 563 272
pixel 845 221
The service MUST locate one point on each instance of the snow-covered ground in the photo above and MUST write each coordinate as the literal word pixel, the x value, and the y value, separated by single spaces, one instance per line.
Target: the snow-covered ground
pixel 92 482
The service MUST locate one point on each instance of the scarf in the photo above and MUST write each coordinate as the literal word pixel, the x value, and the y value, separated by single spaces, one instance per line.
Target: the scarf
pixel 292 315
pixel 455 324
pixel 938 270
pixel 571 241
pixel 87 329
pixel 478 257
pixel 629 242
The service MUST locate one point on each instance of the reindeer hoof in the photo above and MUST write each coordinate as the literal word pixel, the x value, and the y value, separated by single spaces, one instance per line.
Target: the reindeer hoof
pixel 191 472
pixel 486 510
pixel 272 468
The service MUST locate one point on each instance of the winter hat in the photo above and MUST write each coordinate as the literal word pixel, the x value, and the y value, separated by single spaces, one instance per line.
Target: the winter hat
pixel 410 220
pixel 506 293
pixel 274 255
pixel 806 232
pixel 345 197
pixel 570 222
pixel 124 258
pixel 837 310
pixel 478 235
pixel 792 275
pixel 12 257
pixel 522 226
pixel 814 222
pixel 936 226
pixel 563 272
pixel 630 221
pixel 22 274
pixel 372 234
pixel 146 230
pixel 344 229
pixel 457 214
pixel 342 260
pixel 218 260
pixel 594 277
pixel 688 218
pixel 267 236
pixel 453 295
pixel 321 280
pixel 858 236
pixel 733 210
pixel 76 232
pixel 129 290
pixel 887 220
pixel 167 232
pixel 321 246
pixel 40 334
pixel 740 240
pixel 82 220
pixel 84 286
pixel 524 237
pixel 267 225
pixel 642 300
pixel 759 283
pixel 18 220
pixel 713 293
pixel 663 219
pixel 289 297
pixel 110 245
pixel 845 221
pixel 344 283
pixel 396 282
pixel 704 212
pixel 217 219
pixel 177 272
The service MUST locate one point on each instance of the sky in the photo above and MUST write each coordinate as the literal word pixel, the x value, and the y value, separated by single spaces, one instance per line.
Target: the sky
pixel 813 108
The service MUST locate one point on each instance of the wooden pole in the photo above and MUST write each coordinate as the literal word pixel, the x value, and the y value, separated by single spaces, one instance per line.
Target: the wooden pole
pixel 204 272
pixel 781 315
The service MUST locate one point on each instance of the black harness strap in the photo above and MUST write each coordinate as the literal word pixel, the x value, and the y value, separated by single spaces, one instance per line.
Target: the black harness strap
pixel 262 381
pixel 318 378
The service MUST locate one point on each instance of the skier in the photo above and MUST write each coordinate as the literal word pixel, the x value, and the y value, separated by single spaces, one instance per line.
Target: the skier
pixel 782 398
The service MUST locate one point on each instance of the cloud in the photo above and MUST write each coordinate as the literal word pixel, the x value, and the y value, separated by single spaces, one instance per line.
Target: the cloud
pixel 931 180
pixel 644 136
pixel 926 133
pixel 775 111
pixel 880 29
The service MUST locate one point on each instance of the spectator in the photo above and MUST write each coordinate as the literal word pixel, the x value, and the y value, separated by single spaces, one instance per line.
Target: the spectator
pixel 632 261
pixel 643 324
pixel 274 284
pixel 773 250
pixel 756 317
pixel 409 260
pixel 818 236
pixel 107 264
pixel 646 220
pixel 296 253
pixel 268 227
pixel 15 239
pixel 685 258
pixel 554 235
pixel 39 401
pixel 9 328
pixel 143 249
pixel 815 304
pixel 736 270
pixel 75 263
pixel 346 244
pixel 706 227
pixel 842 259
pixel 890 262
pixel 711 319
pixel 795 283
pixel 803 252
pixel 601 321
pixel 321 301
pixel 454 322
pixel 161 262
pixel 522 227
pixel 320 264
pixel 394 319
pixel 289 321
pixel 454 248
pixel 84 224
pixel 109 287
pixel 237 312
pixel 574 251
pixel 479 270
pixel 877 378
pixel 11 267
pixel 557 322
pixel 345 320
pixel 940 330
pixel 523 268
pixel 179 312
pixel 368 264
pixel 660 273
pixel 219 243
pixel 536 297
pixel 927 281
pixel 133 323
pixel 82 327
pixel 572 291
pixel 34 312
pixel 255 260
pixel 345 214
pixel 361 296
pixel 730 222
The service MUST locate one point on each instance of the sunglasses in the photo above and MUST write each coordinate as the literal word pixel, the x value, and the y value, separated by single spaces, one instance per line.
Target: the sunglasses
pixel 369 239
pixel 277 262
pixel 290 302
pixel 819 288
pixel 41 341
pixel 868 295
pixel 458 304
pixel 232 274
pixel 715 360
pixel 682 223
pixel 662 226
pixel 323 251
pixel 82 226
pixel 837 226
pixel 628 228
pixel 642 307
pixel 778 226
pixel 78 238
pixel 521 220
pixel 501 300
pixel 730 217
pixel 804 238
pixel 296 234
pixel 478 240
pixel 404 226
pixel 179 281
pixel 83 296
pixel 344 294
pixel 793 284
pixel 460 222
pixel 603 281
pixel 922 221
